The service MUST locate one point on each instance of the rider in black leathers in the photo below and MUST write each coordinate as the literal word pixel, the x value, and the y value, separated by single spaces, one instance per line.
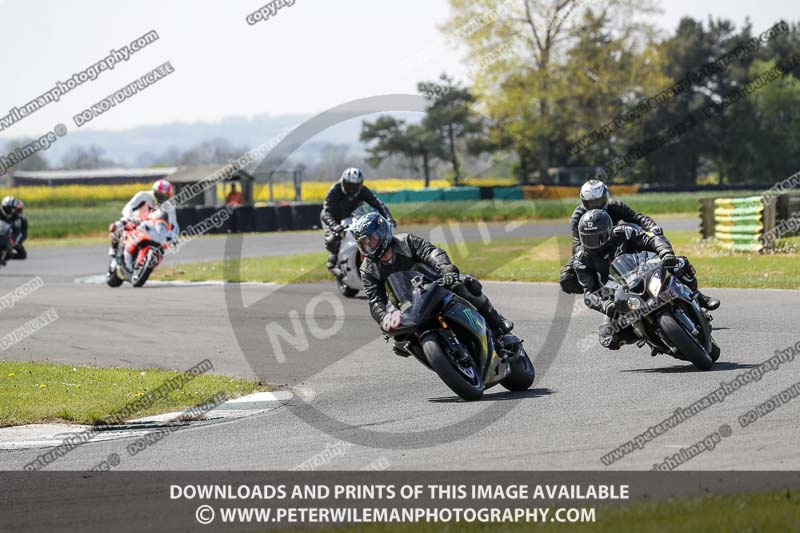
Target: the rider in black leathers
pixel 11 212
pixel 600 245
pixel 386 254
pixel 594 195
pixel 342 199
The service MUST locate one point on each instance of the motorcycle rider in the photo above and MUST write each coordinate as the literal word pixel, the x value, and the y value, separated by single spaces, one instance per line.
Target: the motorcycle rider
pixel 157 198
pixel 385 254
pixel 595 195
pixel 342 198
pixel 11 212
pixel 601 243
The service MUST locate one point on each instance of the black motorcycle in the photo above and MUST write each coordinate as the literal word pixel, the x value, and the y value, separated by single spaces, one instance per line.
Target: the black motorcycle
pixel 448 335
pixel 657 309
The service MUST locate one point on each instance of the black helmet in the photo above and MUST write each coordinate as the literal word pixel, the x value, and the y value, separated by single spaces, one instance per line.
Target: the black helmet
pixel 351 181
pixel 373 234
pixel 9 206
pixel 594 195
pixel 594 230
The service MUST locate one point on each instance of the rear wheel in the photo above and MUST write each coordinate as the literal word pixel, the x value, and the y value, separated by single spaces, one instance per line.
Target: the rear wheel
pixel 464 380
pixel 715 350
pixel 346 291
pixel 112 280
pixel 684 342
pixel 522 373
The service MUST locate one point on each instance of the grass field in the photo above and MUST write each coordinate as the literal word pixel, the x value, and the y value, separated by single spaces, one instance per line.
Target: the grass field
pixel 756 513
pixel 60 222
pixel 53 222
pixel 38 392
pixel 530 259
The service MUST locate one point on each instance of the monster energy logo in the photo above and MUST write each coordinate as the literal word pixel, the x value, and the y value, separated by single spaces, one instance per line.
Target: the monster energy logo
pixel 472 320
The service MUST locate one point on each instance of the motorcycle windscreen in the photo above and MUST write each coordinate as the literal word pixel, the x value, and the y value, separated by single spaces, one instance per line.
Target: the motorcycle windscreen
pixel 414 304
pixel 627 268
pixel 400 289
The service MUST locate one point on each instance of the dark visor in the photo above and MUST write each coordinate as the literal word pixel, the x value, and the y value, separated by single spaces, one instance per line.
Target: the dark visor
pixel 593 241
pixel 596 203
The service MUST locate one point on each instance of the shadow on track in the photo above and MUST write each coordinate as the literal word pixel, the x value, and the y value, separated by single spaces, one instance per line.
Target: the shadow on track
pixel 499 396
pixel 721 366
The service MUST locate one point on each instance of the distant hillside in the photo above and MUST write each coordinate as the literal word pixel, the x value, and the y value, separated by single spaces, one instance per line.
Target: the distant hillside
pixel 127 146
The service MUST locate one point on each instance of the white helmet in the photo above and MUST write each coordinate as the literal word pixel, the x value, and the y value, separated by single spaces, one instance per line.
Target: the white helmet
pixel 594 195
pixel 351 181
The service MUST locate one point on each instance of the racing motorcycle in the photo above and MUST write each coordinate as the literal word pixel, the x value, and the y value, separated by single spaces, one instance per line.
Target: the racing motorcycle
pixel 449 336
pixel 348 260
pixel 7 242
pixel 141 250
pixel 660 310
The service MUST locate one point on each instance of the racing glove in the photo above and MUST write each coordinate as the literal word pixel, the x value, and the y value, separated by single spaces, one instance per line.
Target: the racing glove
pixel 609 308
pixel 450 278
pixel 669 260
pixel 393 222
pixel 337 229
pixel 656 230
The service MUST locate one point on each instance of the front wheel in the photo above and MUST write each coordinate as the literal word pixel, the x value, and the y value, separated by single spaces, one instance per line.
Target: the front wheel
pixel 684 342
pixel 142 272
pixel 464 380
pixel 522 373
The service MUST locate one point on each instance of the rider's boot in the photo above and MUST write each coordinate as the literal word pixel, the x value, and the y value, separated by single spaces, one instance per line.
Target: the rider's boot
pixel 496 321
pixel 331 264
pixel 707 302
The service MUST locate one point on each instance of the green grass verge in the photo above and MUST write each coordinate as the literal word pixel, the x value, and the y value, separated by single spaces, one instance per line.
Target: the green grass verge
pixel 60 222
pixel 760 512
pixel 40 392
pixel 497 210
pixel 76 221
pixel 529 259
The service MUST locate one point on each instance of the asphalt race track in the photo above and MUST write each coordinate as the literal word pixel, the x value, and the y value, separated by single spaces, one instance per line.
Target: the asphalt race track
pixel 348 386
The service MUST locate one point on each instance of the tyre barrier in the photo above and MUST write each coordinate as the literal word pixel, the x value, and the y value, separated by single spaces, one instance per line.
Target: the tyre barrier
pixel 264 219
pixel 283 218
pixel 306 216
pixel 243 219
pixel 739 223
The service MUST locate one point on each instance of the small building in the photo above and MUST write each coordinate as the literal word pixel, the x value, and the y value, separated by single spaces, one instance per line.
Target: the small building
pixel 204 179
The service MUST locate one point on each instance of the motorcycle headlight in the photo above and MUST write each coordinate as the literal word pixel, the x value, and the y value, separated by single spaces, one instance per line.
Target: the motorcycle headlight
pixel 654 283
pixel 634 303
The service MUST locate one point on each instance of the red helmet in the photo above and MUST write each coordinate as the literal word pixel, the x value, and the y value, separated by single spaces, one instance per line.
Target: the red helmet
pixel 163 190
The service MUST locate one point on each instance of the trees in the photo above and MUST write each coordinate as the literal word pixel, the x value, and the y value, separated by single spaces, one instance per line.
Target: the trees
pixel 392 136
pixel 530 95
pixel 36 161
pixel 449 115
pixel 450 127
pixel 79 157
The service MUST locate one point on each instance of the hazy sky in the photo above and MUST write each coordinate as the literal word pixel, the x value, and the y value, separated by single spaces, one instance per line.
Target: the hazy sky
pixel 308 57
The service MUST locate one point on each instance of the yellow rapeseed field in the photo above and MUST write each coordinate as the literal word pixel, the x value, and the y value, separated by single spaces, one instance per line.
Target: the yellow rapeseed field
pixel 73 195
pixel 313 191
